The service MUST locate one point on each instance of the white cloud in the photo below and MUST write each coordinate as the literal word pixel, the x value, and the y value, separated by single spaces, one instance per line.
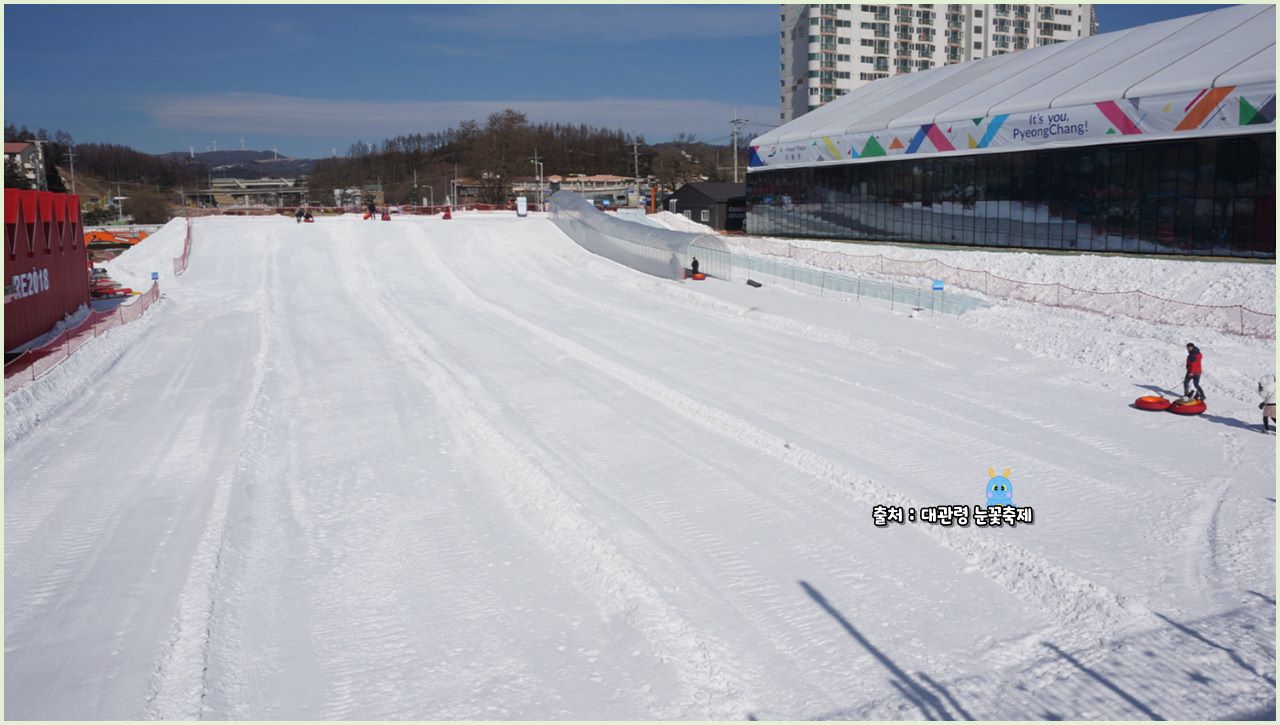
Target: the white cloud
pixel 240 113
pixel 607 23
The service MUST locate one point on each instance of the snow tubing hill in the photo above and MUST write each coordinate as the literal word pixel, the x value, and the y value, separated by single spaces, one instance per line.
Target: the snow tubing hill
pixel 1152 402
pixel 1191 407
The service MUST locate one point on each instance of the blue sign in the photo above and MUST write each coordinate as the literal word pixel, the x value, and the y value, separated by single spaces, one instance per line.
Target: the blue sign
pixel 937 285
pixel 155 275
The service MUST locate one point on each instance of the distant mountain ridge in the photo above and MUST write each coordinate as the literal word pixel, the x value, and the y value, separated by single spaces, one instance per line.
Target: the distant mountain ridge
pixel 247 164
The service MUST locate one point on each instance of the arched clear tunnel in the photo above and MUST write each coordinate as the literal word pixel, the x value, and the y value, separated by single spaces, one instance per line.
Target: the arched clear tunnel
pixel 660 252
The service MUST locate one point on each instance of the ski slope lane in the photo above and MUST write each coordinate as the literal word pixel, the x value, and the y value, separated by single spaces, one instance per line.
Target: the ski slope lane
pixel 449 470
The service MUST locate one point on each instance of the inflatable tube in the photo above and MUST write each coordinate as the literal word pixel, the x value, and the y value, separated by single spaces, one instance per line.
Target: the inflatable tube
pixel 1183 406
pixel 699 276
pixel 1151 402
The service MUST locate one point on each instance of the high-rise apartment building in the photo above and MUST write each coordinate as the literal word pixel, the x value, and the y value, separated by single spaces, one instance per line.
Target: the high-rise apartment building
pixel 828 50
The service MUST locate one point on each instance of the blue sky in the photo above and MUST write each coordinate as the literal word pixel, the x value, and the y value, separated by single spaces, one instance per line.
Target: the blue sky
pixel 308 79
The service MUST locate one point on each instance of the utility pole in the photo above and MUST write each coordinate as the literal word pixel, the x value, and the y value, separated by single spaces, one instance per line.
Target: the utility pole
pixel 453 184
pixel 537 164
pixel 737 124
pixel 635 151
pixel 71 156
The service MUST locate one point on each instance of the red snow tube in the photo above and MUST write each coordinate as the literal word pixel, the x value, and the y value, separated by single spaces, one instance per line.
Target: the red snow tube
pixel 1151 402
pixel 1190 407
pixel 699 275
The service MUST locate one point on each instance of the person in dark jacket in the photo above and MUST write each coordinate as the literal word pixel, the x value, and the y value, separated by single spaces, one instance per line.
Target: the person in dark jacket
pixel 694 265
pixel 1194 368
pixel 298 215
pixel 373 210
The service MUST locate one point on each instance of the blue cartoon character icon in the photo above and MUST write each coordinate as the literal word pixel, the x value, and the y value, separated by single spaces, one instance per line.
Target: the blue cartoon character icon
pixel 999 489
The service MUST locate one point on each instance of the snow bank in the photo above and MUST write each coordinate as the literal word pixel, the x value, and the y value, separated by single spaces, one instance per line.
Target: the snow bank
pixel 26 407
pixel 133 268
pixel 1142 352
pixel 680 222
pixel 1200 282
pixel 69 321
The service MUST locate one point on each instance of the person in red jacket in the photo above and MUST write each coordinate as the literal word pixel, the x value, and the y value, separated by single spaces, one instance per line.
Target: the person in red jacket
pixel 1193 372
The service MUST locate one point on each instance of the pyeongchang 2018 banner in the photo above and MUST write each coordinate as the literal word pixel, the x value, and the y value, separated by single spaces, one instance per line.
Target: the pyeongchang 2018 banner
pixel 1209 112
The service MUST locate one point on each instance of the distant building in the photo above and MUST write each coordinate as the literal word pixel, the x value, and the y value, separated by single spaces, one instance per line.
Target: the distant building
pixel 28 159
pixel 719 205
pixel 599 189
pixel 830 50
pixel 356 198
pixel 227 192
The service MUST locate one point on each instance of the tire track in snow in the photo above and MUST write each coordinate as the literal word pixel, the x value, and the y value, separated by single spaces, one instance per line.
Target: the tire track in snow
pixel 707 667
pixel 178 686
pixel 882 456
pixel 950 439
pixel 1092 610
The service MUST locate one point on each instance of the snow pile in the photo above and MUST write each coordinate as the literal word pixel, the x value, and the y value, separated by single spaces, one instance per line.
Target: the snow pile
pixel 680 222
pixel 133 268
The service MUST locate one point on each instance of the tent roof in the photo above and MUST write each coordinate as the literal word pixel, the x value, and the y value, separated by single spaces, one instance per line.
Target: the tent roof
pixel 1231 46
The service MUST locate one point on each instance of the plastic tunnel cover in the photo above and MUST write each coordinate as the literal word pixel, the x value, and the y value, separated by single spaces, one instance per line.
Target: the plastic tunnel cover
pixel 660 252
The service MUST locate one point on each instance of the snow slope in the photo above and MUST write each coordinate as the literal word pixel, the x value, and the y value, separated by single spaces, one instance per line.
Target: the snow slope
pixel 436 469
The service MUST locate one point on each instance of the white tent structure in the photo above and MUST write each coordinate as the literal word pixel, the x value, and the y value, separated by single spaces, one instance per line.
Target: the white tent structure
pixel 1212 74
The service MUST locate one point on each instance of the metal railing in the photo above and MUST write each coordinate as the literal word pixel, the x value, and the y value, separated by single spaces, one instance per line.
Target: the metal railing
pixel 909 297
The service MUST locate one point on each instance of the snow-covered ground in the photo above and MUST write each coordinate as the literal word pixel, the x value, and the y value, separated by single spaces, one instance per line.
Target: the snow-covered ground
pixel 1252 284
pixel 464 469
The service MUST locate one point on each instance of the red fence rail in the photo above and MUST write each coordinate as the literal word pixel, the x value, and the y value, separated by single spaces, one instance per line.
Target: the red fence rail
pixel 180 262
pixel 33 364
pixel 1137 304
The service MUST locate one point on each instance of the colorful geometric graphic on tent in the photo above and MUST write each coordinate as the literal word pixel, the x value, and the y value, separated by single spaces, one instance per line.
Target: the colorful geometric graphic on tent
pixel 1202 107
pixel 1250 116
pixel 873 148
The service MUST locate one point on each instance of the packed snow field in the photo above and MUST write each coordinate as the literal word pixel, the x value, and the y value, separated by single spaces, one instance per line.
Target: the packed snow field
pixel 464 469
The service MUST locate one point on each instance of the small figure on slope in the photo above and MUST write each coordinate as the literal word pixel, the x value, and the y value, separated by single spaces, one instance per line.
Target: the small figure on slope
pixel 298 215
pixel 694 265
pixel 1194 359
pixel 1267 389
